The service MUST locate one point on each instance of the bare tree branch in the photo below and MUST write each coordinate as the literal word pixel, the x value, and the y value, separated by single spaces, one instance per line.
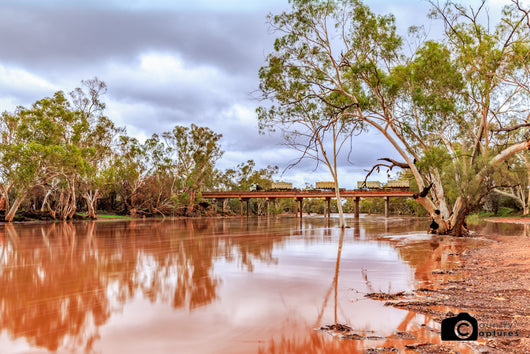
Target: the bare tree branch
pixel 393 164
pixel 511 128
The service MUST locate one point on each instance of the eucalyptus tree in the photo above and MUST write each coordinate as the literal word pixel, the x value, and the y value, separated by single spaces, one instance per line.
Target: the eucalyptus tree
pixel 42 149
pixel 314 118
pixel 128 171
pixel 160 187
pixel 246 174
pixel 195 151
pixel 98 157
pixel 97 135
pixel 435 107
pixel 139 174
pixel 21 162
pixel 52 125
pixel 76 139
pixel 516 185
pixel 467 97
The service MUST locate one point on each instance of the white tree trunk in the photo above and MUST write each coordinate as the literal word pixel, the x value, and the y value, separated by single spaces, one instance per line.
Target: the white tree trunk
pixel 10 215
pixel 342 222
pixel 91 198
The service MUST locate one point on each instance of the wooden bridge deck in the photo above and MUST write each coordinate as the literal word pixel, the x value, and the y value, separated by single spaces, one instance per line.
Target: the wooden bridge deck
pixel 307 194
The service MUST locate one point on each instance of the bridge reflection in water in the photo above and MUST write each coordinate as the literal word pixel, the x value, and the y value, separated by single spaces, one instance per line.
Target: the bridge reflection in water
pixel 299 195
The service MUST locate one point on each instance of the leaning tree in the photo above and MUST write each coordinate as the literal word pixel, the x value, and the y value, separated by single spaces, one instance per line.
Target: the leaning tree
pixel 316 130
pixel 440 107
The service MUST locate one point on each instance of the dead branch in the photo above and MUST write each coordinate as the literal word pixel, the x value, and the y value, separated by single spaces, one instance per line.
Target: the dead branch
pixel 395 163
pixel 522 125
pixel 378 166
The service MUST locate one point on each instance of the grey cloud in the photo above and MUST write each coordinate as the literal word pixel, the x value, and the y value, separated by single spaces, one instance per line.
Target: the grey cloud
pixel 66 44
pixel 23 96
pixel 48 39
pixel 199 101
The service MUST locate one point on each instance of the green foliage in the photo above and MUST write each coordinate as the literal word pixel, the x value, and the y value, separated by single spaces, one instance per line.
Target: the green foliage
pixel 434 157
pixel 193 151
pixel 108 216
pixel 397 206
pixel 317 206
pixel 67 149
pixel 245 174
pixel 433 83
pixel 166 173
pixel 438 106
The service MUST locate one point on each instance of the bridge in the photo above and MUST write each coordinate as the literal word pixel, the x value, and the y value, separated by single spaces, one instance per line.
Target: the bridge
pixel 299 195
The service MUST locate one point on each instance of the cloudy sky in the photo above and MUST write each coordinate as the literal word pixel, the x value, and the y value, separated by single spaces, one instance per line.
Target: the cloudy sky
pixel 169 62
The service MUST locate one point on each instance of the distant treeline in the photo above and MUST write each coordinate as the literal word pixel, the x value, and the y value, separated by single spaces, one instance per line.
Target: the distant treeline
pixel 63 155
pixel 63 158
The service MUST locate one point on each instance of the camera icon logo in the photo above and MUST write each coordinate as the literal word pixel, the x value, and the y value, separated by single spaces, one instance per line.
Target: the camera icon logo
pixel 461 327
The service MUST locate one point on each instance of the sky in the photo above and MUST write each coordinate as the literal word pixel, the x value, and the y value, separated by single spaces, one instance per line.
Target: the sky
pixel 172 62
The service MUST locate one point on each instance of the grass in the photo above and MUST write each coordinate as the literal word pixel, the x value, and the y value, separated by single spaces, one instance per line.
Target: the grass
pixel 473 218
pixel 110 216
pixel 503 212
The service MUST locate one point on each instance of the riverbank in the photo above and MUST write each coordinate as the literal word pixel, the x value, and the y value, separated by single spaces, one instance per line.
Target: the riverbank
pixel 37 215
pixel 512 220
pixel 492 283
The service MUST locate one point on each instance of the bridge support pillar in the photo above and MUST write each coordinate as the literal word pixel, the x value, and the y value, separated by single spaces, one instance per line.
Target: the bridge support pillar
pixel 387 204
pixel 241 200
pixel 269 199
pixel 327 207
pixel 356 206
pixel 300 206
pixel 216 205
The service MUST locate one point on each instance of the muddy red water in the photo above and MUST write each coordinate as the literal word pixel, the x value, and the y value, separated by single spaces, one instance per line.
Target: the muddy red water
pixel 216 285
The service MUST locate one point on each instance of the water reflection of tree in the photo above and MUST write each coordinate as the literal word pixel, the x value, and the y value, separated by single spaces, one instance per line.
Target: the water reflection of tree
pixel 60 282
pixel 50 292
pixel 254 245
pixel 432 259
pixel 424 256
pixel 315 342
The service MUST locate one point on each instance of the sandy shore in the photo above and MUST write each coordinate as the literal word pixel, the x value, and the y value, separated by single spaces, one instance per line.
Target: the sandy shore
pixel 493 285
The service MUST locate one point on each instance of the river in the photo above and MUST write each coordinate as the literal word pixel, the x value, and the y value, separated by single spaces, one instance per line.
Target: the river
pixel 216 285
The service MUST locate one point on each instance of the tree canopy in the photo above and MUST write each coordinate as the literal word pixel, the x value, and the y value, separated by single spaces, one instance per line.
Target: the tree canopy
pixel 440 107
pixel 64 153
